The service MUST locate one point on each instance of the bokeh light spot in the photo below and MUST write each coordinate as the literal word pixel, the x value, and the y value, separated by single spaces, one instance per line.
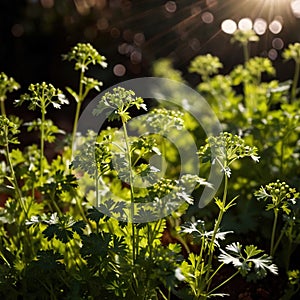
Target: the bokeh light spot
pixel 194 44
pixel 295 6
pixel 196 10
pixel 115 32
pixel 260 26
pixel 17 30
pixel 245 24
pixel 228 26
pixel 139 38
pixel 123 48
pixel 119 70
pixel 136 57
pixel 275 26
pixel 170 6
pixel 211 3
pixel 272 54
pixel 278 43
pixel 207 17
pixel 47 3
pixel 128 35
pixel 102 24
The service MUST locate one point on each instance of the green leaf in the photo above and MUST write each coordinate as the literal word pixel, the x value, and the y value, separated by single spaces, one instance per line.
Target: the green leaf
pixel 73 94
pixel 94 214
pixel 248 261
pixel 7 84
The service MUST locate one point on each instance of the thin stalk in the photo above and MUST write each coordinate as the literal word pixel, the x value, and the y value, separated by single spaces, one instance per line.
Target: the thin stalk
pixel 3 113
pixel 149 240
pixel 42 142
pixel 224 282
pixel 220 217
pixel 137 243
pixel 279 239
pixel 97 187
pixel 163 155
pixel 131 192
pixel 289 253
pixel 80 99
pixel 162 294
pixel 216 227
pixel 282 157
pixel 198 278
pixel 214 273
pixel 15 181
pixel 272 249
pixel 246 52
pixel 295 81
pixel 58 210
pixel 177 236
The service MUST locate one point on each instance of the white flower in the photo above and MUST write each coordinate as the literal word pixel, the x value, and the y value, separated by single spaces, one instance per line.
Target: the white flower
pixel 179 275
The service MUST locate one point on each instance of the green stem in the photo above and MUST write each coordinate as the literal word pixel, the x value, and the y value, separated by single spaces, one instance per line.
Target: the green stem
pixel 174 234
pixel 295 82
pixel 220 217
pixel 216 271
pixel 289 253
pixel 282 157
pixel 97 187
pixel 58 210
pixel 131 192
pixel 15 181
pixel 246 52
pixel 272 249
pixel 43 109
pixel 224 282
pixel 162 294
pixel 80 99
pixel 216 227
pixel 279 240
pixel 149 240
pixel 163 155
pixel 3 113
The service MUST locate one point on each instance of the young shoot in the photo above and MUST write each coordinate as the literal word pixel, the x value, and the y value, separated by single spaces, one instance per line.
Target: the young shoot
pixel 41 96
pixel 7 85
pixel 84 55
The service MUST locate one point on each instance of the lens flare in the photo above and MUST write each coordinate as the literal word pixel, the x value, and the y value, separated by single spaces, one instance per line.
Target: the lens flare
pixel 260 26
pixel 275 26
pixel 245 24
pixel 295 6
pixel 228 26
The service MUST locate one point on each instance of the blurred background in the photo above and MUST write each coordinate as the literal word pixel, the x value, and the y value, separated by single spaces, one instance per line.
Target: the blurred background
pixel 133 34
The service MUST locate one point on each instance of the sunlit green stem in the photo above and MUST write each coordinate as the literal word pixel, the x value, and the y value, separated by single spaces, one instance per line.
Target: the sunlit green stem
pixel 163 158
pixel 282 157
pixel 42 142
pixel 246 52
pixel 131 191
pixel 295 81
pixel 216 228
pixel 3 113
pixel 78 107
pixel 272 249
pixel 13 175
pixel 220 217
pixel 224 282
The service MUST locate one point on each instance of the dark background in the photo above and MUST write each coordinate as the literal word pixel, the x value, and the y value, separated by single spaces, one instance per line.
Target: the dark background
pixel 34 34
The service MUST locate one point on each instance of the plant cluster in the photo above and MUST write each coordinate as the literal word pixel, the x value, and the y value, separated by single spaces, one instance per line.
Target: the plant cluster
pixel 65 240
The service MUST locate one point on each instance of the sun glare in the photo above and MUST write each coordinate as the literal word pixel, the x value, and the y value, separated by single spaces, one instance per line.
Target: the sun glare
pixel 245 24
pixel 229 26
pixel 295 6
